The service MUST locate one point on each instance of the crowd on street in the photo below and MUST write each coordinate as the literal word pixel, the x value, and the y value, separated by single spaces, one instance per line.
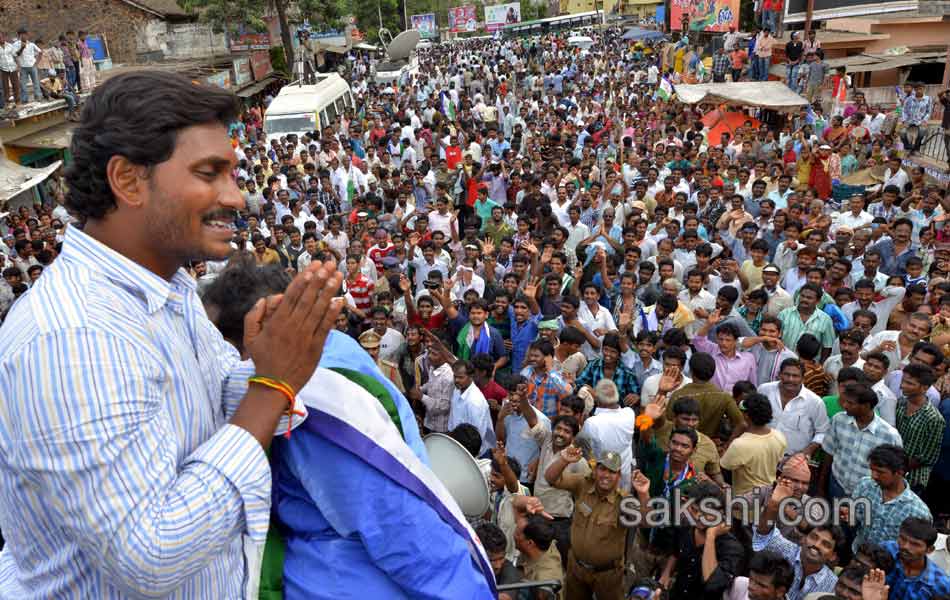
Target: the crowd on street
pixel 561 268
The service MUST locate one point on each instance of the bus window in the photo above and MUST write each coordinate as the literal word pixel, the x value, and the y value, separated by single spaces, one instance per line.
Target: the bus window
pixel 340 105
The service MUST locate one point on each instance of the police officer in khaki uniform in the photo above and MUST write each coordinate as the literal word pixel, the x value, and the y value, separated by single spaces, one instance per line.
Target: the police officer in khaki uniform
pixel 595 561
pixel 369 340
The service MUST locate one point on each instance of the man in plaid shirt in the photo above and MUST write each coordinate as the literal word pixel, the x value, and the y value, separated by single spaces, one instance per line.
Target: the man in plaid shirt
pixel 853 434
pixel 546 388
pixel 920 424
pixel 608 366
pixel 720 66
pixel 890 499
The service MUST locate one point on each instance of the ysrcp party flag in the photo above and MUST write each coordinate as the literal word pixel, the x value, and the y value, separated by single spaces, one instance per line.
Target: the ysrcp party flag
pixel 355 507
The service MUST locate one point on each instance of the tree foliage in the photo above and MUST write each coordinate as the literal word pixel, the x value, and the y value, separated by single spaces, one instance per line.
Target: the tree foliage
pixel 367 13
pixel 228 15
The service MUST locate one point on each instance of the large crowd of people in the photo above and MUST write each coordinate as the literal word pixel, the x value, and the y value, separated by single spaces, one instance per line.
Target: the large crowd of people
pixel 561 269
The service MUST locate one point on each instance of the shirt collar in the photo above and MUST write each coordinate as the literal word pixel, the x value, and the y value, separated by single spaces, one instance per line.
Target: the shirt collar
pixel 82 248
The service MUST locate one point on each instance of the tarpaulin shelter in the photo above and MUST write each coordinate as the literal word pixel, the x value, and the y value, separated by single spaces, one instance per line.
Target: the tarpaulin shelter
pixel 16 179
pixel 774 95
pixel 641 34
pixel 725 121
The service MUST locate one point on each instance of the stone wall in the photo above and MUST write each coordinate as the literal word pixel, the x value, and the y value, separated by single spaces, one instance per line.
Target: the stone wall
pixel 193 40
pixel 47 19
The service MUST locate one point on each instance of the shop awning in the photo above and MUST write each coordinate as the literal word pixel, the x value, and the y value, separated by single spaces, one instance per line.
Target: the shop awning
pixel 768 94
pixel 16 179
pixel 57 137
pixel 256 87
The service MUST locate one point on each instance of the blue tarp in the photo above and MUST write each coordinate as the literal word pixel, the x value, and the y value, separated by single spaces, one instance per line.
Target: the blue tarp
pixel 639 34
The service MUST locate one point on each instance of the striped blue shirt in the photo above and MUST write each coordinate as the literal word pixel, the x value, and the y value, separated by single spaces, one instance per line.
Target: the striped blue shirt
pixel 119 475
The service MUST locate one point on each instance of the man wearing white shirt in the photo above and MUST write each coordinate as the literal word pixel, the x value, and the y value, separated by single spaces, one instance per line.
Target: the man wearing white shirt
pixel 26 54
pixel 864 291
pixel 469 405
pixel 595 319
pixel 441 219
pixel 796 411
pixel 854 219
pixel 673 358
pixel 898 345
pixel 850 356
pixel 895 174
pixel 611 428
pixel 576 231
pixel 695 297
pixel 466 279
pixel 340 179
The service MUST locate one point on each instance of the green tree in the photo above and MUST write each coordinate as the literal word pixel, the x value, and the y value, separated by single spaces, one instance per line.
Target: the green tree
pixel 227 15
pixel 368 12
pixel 323 13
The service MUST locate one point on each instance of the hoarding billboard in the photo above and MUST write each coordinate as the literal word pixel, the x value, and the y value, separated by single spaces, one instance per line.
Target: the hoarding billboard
pixel 499 15
pixel 463 19
pixel 425 24
pixel 705 15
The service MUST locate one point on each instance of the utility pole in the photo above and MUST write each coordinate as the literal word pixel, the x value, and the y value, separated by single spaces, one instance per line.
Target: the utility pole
pixel 809 11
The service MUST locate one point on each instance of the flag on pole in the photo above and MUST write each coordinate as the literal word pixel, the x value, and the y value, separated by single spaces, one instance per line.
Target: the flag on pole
pixel 665 91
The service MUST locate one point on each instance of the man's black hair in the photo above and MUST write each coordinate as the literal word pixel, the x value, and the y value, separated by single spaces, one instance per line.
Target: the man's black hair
pixel 690 433
pixel 758 408
pixel 137 115
pixel 468 436
pixel 775 565
pixel 702 366
pixel 919 529
pixel 492 538
pixel 879 556
pixel 539 531
pixel 235 291
pixel 686 406
pixel 483 362
pixel 891 457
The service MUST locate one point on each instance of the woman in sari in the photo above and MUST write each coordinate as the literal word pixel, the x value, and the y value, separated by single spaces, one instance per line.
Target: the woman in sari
pixel 837 134
pixel 803 165
pixel 87 71
pixel 821 170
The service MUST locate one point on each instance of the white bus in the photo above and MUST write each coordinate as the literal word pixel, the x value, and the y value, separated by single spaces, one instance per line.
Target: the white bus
pixel 303 109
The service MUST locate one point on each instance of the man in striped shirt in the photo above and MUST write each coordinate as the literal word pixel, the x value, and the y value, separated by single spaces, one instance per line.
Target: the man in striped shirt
pixel 133 445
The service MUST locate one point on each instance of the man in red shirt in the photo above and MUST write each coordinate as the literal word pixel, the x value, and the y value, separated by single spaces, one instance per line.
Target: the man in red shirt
pixel 494 393
pixel 381 249
pixel 358 286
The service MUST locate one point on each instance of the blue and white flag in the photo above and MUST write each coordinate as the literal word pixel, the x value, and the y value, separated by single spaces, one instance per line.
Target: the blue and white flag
pixel 357 509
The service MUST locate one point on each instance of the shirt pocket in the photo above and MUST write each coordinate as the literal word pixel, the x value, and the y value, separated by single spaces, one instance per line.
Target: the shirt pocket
pixel 793 421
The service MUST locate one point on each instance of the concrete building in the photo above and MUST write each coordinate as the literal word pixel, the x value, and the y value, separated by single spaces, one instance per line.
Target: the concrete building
pixel 134 30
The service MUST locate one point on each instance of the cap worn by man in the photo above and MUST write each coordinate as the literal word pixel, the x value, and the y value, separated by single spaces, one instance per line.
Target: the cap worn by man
pixel 610 460
pixel 369 339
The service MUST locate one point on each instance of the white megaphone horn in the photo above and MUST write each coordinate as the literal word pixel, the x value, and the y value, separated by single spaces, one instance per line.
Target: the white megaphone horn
pixel 459 473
